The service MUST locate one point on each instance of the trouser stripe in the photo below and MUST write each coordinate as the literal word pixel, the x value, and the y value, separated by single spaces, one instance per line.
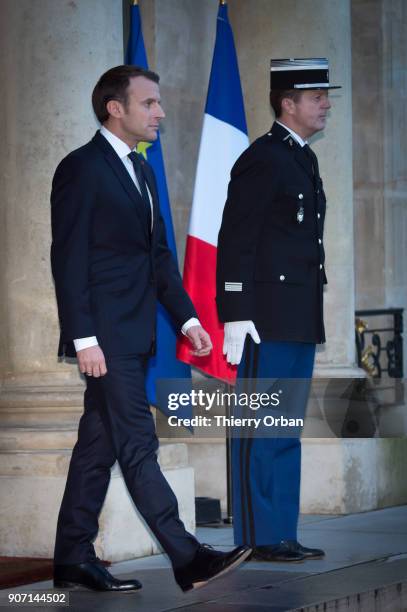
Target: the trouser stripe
pixel 249 444
pixel 243 442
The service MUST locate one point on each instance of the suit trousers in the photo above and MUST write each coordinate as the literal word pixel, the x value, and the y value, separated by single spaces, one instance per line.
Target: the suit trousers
pixel 117 424
pixel 266 468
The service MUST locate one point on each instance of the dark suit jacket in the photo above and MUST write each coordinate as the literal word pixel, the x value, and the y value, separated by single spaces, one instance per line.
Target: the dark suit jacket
pixel 108 269
pixel 270 261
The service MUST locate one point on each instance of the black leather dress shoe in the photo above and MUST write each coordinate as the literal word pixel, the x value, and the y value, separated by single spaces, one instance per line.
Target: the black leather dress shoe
pixel 209 564
pixel 287 551
pixel 91 576
pixel 310 553
pixel 282 553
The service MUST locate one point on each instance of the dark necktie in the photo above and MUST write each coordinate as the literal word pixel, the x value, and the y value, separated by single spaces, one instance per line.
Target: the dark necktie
pixel 138 169
pixel 314 161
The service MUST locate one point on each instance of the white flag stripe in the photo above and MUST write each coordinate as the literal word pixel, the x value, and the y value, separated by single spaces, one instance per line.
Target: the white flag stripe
pixel 221 145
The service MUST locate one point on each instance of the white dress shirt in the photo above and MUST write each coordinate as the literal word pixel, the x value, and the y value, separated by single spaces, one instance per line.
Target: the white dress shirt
pixel 122 149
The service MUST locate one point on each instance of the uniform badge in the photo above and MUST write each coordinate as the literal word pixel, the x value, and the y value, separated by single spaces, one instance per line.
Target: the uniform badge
pixel 300 214
pixel 233 286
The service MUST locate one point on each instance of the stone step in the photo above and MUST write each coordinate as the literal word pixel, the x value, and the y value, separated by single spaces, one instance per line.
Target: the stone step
pixel 27 439
pixel 55 462
pixel 380 585
pixel 41 406
pixel 389 598
pixel 54 417
pixel 41 397
pixel 37 438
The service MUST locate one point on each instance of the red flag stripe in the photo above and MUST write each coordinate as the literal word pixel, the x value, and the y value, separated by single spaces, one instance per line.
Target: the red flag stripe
pixel 200 283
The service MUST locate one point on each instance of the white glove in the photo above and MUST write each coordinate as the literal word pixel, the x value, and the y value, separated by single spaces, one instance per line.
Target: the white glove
pixel 235 336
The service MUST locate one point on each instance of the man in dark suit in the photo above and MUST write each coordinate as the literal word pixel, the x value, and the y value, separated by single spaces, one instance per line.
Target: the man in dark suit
pixel 270 278
pixel 110 263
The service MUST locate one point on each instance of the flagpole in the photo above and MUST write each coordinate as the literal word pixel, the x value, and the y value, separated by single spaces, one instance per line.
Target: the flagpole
pixel 228 520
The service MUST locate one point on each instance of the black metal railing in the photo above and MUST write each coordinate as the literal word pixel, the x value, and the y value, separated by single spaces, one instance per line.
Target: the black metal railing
pixel 379 349
pixel 384 353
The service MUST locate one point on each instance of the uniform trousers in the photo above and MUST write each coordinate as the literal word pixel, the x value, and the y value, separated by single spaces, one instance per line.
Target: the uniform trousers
pixel 266 469
pixel 117 424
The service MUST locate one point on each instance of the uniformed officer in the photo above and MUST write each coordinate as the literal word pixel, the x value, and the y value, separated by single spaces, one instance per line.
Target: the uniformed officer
pixel 270 278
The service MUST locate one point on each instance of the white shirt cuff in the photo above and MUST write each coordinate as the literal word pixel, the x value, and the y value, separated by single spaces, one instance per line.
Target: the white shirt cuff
pixel 190 323
pixel 83 343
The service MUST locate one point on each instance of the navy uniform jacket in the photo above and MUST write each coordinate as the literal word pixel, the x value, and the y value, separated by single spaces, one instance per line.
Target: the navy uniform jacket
pixel 109 270
pixel 270 262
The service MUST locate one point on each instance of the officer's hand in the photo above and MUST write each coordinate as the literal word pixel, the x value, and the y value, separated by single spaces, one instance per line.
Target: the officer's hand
pixel 200 340
pixel 235 336
pixel 92 361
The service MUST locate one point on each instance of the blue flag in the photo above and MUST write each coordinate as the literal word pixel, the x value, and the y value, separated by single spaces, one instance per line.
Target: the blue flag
pixel 163 365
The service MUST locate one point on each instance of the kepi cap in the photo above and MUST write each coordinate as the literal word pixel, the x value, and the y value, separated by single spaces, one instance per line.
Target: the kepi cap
pixel 305 73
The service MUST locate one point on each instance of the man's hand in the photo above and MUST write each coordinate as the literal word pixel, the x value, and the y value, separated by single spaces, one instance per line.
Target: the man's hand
pixel 235 336
pixel 200 340
pixel 92 361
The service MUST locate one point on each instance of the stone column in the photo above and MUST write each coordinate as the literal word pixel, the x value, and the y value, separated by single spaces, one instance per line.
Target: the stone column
pixel 379 63
pixel 52 53
pixel 368 132
pixel 380 164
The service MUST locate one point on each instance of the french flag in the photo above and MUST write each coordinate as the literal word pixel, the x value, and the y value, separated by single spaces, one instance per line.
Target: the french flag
pixel 224 138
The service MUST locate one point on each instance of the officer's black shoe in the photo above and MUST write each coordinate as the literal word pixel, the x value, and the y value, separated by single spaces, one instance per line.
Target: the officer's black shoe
pixel 282 553
pixel 209 564
pixel 310 553
pixel 91 576
pixel 287 551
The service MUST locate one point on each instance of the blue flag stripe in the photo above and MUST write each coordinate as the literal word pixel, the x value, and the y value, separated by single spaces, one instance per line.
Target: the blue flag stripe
pixel 228 108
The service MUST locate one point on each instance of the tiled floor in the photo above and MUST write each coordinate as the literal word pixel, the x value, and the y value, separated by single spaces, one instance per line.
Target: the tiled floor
pixel 364 552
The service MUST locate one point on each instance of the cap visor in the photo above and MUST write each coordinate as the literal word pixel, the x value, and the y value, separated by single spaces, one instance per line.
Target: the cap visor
pixel 318 87
pixel 306 88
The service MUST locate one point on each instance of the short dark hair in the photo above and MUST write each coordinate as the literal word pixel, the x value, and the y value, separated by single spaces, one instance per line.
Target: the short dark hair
pixel 113 85
pixel 277 96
